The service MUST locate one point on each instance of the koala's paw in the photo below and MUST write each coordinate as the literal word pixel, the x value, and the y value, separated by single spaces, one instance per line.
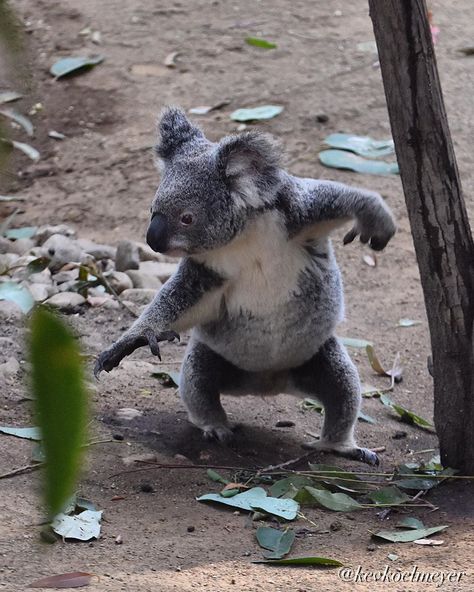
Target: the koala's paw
pixel 112 357
pixel 221 433
pixel 376 229
pixel 352 452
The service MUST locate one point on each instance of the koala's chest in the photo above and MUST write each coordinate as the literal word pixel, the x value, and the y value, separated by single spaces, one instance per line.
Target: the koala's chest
pixel 264 279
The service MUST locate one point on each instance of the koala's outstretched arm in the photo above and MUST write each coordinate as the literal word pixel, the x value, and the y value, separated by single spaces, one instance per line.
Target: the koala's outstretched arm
pixel 192 296
pixel 325 205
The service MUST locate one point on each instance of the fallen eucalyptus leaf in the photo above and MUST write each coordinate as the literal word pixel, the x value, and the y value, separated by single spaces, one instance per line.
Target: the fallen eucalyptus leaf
pixel 389 496
pixel 26 433
pixel 429 542
pixel 279 542
pixel 26 149
pixel 356 343
pixel 56 135
pixel 338 502
pixel 341 159
pixel 256 113
pixel 406 415
pixel 167 377
pixel 408 323
pixel 7 198
pixel 8 96
pixel 75 579
pixel 366 418
pixel 205 109
pixel 257 42
pixel 339 478
pixel 20 119
pixel 361 145
pixel 304 561
pixel 392 556
pixel 407 536
pixel 256 499
pixel 17 233
pixel 37 265
pixel 170 60
pixel 82 527
pixel 370 260
pixel 283 486
pixel 18 294
pixel 74 65
pixel 214 476
pixel 410 522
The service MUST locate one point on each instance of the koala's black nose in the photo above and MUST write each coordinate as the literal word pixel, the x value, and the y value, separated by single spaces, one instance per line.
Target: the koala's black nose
pixel 157 234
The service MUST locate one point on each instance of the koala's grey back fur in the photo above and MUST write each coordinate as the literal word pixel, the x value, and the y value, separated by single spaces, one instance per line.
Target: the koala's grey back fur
pixel 258 282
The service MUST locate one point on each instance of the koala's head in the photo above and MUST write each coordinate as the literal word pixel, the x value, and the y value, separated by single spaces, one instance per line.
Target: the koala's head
pixel 208 191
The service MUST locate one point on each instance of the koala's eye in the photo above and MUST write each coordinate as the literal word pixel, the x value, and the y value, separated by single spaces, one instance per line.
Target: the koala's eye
pixel 186 219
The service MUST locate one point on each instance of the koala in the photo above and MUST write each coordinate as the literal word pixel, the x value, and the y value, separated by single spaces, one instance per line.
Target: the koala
pixel 258 281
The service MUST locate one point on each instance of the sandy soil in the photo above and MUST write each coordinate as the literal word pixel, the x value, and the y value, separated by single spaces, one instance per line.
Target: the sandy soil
pixel 104 171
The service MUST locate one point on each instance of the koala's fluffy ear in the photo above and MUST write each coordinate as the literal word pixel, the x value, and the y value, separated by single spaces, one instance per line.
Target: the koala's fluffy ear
pixel 249 162
pixel 174 130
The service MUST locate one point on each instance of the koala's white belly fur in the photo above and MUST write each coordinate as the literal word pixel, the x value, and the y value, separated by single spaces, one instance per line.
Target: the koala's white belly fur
pixel 266 324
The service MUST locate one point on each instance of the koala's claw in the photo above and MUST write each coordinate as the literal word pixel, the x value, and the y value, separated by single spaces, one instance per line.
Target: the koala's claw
pixel 112 357
pixel 222 434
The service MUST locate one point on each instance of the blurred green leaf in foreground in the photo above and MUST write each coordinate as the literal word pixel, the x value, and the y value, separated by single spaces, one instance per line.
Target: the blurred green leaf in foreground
pixel 61 403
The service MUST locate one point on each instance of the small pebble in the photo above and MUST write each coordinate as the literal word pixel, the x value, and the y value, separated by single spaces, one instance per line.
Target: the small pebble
pixel 191 528
pixel 284 423
pixel 322 118
pixel 119 540
pixel 118 437
pixel 371 547
pixel 146 487
pixel 399 435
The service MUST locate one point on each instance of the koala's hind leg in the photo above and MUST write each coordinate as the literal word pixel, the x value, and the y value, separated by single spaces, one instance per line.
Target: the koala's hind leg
pixel 203 376
pixel 332 378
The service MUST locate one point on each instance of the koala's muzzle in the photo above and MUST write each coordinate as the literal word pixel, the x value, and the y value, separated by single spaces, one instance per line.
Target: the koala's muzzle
pixel 157 234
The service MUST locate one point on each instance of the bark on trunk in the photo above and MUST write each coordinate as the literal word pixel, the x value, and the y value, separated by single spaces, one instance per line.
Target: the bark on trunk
pixel 437 213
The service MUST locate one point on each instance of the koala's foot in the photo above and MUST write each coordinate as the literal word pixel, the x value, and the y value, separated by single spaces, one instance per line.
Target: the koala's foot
pixel 347 451
pixel 223 434
pixel 112 357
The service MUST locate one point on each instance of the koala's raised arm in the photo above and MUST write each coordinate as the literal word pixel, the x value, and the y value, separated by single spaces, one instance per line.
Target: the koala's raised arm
pixel 191 295
pixel 321 206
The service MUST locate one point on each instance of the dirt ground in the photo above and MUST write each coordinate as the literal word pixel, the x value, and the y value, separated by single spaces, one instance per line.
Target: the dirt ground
pixel 103 171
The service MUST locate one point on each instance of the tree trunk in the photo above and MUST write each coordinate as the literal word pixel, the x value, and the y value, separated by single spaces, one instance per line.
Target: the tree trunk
pixel 438 218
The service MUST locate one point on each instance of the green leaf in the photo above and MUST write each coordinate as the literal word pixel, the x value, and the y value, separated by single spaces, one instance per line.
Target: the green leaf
pixel 257 113
pixel 214 476
pixel 81 527
pixel 309 404
pixel 421 481
pixel 25 232
pixel 61 403
pixel 19 119
pixel 407 536
pixel 279 542
pixel 20 295
pixel 408 323
pixel 37 265
pixel 9 96
pixel 405 415
pixel 356 343
pixel 84 504
pixel 340 159
pixel 362 145
pixel 257 42
pixel 256 499
pixel 409 522
pixel 338 502
pixel 282 486
pixel 336 477
pixel 26 433
pixel 304 561
pixel 74 65
pixel 389 496
pixel 392 556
